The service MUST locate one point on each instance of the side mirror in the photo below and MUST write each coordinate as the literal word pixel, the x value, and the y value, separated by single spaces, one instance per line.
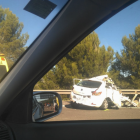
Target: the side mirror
pixel 45 105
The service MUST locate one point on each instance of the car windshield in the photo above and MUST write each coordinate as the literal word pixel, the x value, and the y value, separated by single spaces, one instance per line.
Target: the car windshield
pixel 2 71
pixel 89 84
pixel 21 22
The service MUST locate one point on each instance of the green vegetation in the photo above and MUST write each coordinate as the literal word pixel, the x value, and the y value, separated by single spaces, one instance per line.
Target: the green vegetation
pixel 65 97
pixel 11 41
pixel 125 70
pixel 86 60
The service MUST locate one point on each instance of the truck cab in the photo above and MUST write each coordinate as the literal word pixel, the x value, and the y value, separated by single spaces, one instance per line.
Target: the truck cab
pixel 3 66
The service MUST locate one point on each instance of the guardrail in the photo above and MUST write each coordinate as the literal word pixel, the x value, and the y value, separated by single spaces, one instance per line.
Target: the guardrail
pixel 58 91
pixel 123 91
pixel 130 91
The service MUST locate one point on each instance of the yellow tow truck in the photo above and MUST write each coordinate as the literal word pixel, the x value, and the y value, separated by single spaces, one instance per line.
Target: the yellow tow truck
pixel 56 103
pixel 3 66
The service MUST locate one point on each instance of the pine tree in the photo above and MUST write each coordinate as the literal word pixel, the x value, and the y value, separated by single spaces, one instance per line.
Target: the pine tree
pixel 85 60
pixel 125 71
pixel 12 42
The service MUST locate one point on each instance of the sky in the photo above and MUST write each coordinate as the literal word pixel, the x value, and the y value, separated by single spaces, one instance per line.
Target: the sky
pixel 110 33
pixel 33 25
pixel 122 24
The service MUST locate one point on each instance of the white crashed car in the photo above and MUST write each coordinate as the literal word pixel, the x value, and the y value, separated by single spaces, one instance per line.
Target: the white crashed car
pixel 96 93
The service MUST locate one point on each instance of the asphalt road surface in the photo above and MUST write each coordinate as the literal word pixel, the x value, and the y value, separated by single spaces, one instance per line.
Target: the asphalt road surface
pixel 48 110
pixel 89 113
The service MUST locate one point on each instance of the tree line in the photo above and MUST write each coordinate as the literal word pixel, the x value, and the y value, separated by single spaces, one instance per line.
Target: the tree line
pixel 87 59
pixel 125 70
pixel 12 42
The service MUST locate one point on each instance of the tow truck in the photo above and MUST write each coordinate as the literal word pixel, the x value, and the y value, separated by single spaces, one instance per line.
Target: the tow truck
pixel 3 66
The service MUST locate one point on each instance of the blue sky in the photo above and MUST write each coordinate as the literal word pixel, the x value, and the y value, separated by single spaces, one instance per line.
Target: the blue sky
pixel 33 24
pixel 123 23
pixel 110 33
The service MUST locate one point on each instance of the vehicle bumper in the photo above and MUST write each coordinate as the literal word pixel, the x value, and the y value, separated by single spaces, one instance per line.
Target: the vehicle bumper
pixel 88 100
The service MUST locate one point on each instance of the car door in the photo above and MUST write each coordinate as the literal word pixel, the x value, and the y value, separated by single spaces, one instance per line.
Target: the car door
pixel 116 97
pixel 17 88
pixel 109 91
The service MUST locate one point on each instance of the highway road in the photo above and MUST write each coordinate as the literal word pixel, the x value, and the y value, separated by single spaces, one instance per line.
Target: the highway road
pixel 89 113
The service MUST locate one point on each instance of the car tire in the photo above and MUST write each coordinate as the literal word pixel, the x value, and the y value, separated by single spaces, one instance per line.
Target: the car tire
pixel 118 107
pixel 104 105
pixel 110 104
pixel 74 105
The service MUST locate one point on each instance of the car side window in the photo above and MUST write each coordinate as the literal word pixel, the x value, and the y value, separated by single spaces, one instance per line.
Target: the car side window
pixel 88 76
pixel 108 85
pixel 17 32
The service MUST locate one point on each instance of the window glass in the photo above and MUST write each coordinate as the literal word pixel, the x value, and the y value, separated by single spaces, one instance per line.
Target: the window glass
pixel 21 21
pixel 2 71
pixel 108 84
pixel 89 84
pixel 111 55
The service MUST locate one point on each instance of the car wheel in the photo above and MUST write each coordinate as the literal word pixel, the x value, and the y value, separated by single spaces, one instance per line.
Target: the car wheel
pixel 104 105
pixel 74 105
pixel 110 104
pixel 117 106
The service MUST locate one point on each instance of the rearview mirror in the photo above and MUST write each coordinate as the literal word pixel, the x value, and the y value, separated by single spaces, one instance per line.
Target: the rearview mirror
pixel 45 105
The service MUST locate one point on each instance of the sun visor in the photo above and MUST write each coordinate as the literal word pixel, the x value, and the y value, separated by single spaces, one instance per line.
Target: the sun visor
pixel 41 8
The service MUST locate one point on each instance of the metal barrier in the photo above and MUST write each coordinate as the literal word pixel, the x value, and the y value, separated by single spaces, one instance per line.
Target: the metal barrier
pixel 130 91
pixel 123 91
pixel 58 91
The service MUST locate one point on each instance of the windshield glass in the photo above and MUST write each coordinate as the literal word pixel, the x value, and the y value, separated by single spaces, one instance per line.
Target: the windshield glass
pixel 21 21
pixel 89 84
pixel 2 71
